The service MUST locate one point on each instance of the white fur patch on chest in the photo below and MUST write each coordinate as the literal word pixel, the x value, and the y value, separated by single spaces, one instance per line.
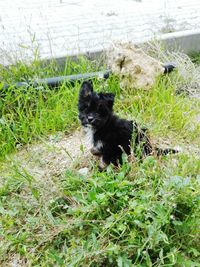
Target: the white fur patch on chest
pixel 89 136
pixel 98 145
pixel 90 139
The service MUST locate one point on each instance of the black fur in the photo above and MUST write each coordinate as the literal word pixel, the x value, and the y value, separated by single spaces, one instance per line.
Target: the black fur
pixel 111 135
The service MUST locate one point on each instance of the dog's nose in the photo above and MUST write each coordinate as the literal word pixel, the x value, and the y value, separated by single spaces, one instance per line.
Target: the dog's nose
pixel 90 119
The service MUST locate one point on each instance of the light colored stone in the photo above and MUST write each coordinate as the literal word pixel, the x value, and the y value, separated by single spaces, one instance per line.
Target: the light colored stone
pixel 135 68
pixel 83 171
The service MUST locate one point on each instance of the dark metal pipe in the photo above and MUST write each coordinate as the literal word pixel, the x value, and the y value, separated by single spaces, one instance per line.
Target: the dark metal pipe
pixel 169 67
pixel 55 81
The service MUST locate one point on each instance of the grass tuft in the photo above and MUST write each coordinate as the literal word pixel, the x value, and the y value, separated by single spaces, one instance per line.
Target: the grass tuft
pixel 143 214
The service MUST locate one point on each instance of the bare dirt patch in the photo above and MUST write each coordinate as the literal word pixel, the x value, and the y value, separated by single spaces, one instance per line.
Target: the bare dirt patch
pixel 55 155
pixel 60 153
pixel 50 158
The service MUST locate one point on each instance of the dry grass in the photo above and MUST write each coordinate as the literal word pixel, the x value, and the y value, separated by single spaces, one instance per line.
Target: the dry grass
pixel 187 79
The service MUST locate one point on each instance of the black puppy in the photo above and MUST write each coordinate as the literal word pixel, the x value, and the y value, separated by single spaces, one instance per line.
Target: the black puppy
pixel 110 135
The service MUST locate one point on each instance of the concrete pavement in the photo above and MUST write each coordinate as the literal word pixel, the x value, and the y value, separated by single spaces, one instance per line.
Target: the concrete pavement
pixel 56 28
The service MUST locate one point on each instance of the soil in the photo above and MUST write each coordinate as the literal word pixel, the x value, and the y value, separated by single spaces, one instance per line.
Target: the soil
pixel 55 155
pixel 60 153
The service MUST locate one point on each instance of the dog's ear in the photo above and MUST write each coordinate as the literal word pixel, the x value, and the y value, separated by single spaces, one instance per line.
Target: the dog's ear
pixel 108 98
pixel 86 89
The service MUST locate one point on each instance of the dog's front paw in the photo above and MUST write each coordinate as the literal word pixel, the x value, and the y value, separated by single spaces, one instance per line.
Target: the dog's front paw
pixel 102 165
pixel 95 151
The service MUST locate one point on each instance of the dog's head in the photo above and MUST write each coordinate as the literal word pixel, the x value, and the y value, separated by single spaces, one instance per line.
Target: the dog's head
pixel 94 108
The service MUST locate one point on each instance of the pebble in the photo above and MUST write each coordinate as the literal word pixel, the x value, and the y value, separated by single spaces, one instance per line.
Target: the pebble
pixel 83 171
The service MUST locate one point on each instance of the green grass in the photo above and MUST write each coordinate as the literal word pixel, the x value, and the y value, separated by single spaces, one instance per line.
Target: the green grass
pixel 195 57
pixel 144 214
pixel 27 113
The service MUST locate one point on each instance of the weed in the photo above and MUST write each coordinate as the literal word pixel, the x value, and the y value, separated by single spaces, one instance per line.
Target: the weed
pixel 27 113
pixel 143 214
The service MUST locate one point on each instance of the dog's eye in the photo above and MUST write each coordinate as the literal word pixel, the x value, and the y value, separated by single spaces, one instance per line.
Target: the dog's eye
pixel 100 106
pixel 86 106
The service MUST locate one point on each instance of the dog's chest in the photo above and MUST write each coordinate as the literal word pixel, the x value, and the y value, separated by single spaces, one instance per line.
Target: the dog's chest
pixel 93 142
pixel 98 145
pixel 89 136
